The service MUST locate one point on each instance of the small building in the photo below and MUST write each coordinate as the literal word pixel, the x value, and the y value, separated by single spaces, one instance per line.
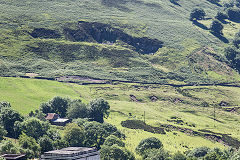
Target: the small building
pixel 52 116
pixel 73 153
pixel 14 156
pixel 54 119
pixel 61 121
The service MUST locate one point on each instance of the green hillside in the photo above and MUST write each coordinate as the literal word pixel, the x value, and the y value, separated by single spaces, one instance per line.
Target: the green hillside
pixel 145 57
pixel 104 39
pixel 192 106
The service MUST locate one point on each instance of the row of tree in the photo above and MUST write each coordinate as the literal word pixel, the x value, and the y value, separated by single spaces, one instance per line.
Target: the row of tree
pixel 96 110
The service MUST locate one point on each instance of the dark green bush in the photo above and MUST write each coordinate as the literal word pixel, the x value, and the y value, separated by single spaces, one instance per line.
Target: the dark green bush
pixel 149 143
pixel 197 14
pixel 199 152
pixel 216 27
pixel 221 16
pixel 111 140
pixel 233 14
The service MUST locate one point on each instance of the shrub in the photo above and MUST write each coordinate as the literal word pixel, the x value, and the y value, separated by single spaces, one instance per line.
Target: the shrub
pixel 98 109
pixel 216 27
pixel 30 143
pixel 74 135
pixel 197 14
pixel 236 40
pixel 45 143
pixel 113 140
pixel 115 152
pixel 221 16
pixel 156 154
pixel 230 53
pixel 179 156
pixel 77 109
pixel 199 152
pixel 35 128
pixel 8 147
pixel 7 118
pixel 234 14
pixel 57 105
pixel 149 143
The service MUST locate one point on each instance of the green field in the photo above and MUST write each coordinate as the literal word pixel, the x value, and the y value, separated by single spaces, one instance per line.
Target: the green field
pixel 27 94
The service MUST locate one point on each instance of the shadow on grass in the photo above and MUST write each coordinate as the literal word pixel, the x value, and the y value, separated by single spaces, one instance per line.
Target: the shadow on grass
pixel 220 37
pixel 200 25
pixel 175 3
pixel 224 22
pixel 219 5
pixel 234 20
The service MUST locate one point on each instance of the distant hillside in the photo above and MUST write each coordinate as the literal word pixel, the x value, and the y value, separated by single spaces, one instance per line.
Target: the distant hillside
pixel 134 40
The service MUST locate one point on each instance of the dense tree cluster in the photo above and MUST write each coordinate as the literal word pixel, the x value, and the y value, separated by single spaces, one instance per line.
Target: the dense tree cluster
pixel 96 110
pixel 36 135
pixel 57 105
pixel 8 117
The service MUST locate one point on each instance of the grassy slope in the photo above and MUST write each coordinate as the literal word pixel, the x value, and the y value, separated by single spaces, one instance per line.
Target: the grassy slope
pixel 155 19
pixel 158 19
pixel 27 94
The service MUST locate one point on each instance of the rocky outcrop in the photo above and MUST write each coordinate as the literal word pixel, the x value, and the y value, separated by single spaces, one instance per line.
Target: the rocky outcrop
pixel 104 33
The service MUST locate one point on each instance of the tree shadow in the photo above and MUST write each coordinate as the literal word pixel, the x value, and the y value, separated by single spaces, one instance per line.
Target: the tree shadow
pixel 219 5
pixel 224 22
pixel 175 3
pixel 234 20
pixel 200 25
pixel 220 37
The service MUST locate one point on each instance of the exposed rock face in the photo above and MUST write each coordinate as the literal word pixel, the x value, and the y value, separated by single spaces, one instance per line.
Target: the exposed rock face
pixel 104 33
pixel 44 33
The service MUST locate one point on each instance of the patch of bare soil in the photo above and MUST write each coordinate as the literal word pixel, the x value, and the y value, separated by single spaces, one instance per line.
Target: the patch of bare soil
pixel 206 60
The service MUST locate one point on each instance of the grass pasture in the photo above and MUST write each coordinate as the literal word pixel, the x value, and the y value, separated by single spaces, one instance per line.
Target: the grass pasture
pixel 185 103
pixel 26 95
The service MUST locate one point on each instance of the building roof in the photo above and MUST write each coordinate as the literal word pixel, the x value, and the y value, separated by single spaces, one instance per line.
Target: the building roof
pixel 71 150
pixel 51 116
pixel 13 156
pixel 61 120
